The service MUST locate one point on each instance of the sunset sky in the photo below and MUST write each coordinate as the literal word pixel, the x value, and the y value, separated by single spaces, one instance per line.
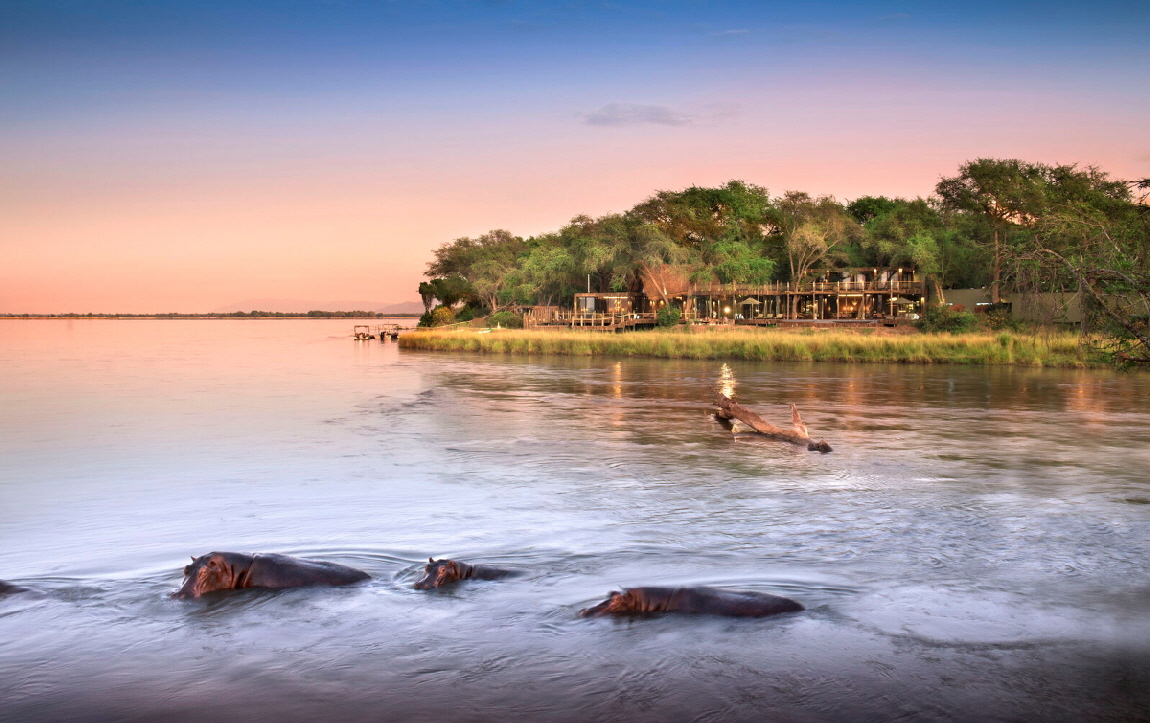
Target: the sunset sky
pixel 181 156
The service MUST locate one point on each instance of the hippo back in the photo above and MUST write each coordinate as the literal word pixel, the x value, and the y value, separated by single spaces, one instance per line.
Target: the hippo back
pixel 701 600
pixel 272 570
pixel 736 603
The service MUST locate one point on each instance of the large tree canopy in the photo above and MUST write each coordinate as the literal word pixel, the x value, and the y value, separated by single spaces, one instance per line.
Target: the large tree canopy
pixel 1012 197
pixel 1094 240
pixel 815 231
pixel 729 232
pixel 483 262
pixel 898 232
pixel 1002 192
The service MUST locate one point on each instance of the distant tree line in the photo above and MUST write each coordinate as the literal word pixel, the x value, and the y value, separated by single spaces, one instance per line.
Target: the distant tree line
pixel 1003 224
pixel 231 315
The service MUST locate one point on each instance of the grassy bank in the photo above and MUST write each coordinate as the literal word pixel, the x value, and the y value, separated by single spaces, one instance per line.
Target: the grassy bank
pixel 1045 350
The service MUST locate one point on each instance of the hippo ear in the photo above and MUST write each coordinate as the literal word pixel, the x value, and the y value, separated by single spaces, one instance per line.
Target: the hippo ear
pixel 431 559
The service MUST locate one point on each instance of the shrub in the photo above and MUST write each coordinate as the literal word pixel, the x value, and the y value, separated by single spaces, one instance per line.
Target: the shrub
pixel 442 316
pixel 425 319
pixel 465 314
pixel 998 317
pixel 668 316
pixel 506 319
pixel 946 319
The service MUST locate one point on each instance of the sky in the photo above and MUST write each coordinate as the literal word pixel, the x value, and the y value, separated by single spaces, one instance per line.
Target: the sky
pixel 161 156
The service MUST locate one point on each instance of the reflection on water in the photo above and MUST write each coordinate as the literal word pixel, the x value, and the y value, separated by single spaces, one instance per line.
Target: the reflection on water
pixel 726 380
pixel 974 549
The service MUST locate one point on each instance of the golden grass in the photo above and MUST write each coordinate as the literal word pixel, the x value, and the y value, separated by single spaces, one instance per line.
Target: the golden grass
pixel 1055 349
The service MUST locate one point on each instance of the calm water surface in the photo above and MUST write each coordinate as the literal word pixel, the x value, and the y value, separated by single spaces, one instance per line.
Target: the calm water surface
pixel 975 549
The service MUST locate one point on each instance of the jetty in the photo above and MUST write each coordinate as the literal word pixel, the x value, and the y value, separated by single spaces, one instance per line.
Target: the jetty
pixel 383 332
pixel 387 331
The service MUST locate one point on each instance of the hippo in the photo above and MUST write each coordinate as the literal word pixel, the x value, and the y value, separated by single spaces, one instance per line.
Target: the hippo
pixel 703 600
pixel 437 573
pixel 7 588
pixel 236 570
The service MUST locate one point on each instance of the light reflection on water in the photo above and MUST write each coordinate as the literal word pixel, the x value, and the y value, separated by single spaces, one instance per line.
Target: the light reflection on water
pixel 974 549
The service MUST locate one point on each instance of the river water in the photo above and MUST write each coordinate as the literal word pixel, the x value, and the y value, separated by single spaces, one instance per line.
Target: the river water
pixel 975 548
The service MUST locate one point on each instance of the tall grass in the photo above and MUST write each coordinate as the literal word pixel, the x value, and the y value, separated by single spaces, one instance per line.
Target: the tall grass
pixel 1046 350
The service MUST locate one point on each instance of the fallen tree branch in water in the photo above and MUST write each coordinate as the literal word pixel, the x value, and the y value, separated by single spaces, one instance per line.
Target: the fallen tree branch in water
pixel 730 409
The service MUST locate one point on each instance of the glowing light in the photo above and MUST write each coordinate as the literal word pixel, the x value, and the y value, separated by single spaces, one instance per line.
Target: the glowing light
pixel 726 381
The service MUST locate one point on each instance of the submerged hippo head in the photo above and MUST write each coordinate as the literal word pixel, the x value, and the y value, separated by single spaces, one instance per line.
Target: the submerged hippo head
pixel 213 571
pixel 616 602
pixel 439 572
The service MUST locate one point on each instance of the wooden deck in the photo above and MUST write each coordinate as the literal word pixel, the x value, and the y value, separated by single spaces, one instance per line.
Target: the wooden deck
pixel 598 322
pixel 630 322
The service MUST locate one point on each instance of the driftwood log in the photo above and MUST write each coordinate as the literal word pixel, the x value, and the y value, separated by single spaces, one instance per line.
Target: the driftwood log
pixel 730 409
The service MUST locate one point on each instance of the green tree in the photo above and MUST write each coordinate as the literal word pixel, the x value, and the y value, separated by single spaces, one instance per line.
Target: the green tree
pixel 624 252
pixel 547 273
pixel 1003 193
pixel 736 261
pixel 450 290
pixel 490 273
pixel 868 208
pixel 815 231
pixel 728 231
pixel 914 233
pixel 1104 255
pixel 484 262
pixel 427 295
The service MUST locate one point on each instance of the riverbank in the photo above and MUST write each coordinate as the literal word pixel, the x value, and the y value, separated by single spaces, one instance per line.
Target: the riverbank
pixel 1055 349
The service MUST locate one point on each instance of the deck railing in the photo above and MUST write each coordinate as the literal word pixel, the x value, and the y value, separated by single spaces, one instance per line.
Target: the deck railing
pixel 807 287
pixel 617 320
pixel 598 320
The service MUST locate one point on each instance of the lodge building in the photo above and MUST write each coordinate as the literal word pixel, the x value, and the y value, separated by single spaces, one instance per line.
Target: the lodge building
pixel 874 295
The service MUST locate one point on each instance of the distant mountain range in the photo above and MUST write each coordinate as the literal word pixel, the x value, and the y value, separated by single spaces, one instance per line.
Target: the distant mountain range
pixel 299 306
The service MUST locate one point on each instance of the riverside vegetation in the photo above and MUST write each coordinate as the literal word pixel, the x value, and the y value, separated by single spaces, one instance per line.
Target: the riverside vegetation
pixel 1052 349
pixel 1002 224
